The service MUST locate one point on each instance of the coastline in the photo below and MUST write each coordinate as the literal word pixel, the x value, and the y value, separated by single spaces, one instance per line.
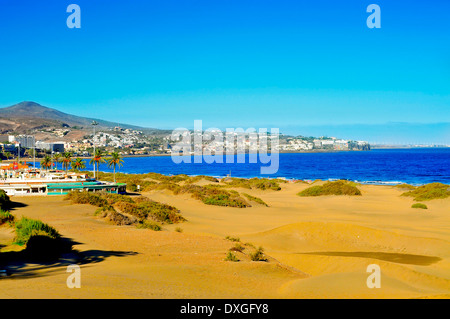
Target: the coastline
pixel 379 167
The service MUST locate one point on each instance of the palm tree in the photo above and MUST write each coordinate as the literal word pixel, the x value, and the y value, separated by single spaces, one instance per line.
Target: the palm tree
pixel 115 161
pixel 98 159
pixel 78 164
pixel 66 160
pixel 46 162
pixel 8 155
pixel 56 158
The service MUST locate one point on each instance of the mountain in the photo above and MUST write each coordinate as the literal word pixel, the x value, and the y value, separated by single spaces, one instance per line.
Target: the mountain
pixel 27 116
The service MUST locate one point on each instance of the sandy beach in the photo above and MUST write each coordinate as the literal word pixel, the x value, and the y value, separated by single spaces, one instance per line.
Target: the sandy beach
pixel 317 247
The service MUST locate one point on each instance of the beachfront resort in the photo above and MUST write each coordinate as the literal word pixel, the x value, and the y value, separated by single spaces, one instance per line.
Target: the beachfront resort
pixel 20 180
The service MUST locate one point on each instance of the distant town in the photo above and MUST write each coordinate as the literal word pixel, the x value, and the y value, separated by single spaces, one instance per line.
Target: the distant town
pixel 134 142
pixel 30 130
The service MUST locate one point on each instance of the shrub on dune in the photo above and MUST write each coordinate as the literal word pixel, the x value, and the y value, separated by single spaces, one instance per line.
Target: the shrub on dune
pixel 255 183
pixel 332 188
pixel 130 211
pixel 419 205
pixel 4 199
pixel 6 217
pixel 144 208
pixel 27 228
pixel 231 257
pixel 147 224
pixel 312 191
pixel 213 195
pixel 234 239
pixel 429 192
pixel 258 255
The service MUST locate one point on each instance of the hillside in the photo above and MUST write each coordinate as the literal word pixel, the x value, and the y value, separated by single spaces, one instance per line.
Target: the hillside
pixel 31 118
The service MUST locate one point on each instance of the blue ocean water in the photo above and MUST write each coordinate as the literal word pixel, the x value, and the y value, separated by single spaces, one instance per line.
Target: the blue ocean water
pixel 413 166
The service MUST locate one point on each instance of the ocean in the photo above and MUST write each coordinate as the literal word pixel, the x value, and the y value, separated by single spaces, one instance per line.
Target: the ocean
pixel 392 166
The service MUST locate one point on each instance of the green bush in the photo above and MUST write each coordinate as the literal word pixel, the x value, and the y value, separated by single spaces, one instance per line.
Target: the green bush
pixel 331 188
pixel 258 255
pixel 231 257
pixel 419 205
pixel 265 184
pixel 144 208
pixel 212 195
pixel 27 228
pixel 4 200
pixel 256 183
pixel 95 199
pixel 6 217
pixel 147 224
pixel 312 191
pixel 141 208
pixel 429 192
pixel 235 239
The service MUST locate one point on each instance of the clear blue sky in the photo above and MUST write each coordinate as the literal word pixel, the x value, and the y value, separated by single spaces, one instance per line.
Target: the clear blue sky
pixel 297 65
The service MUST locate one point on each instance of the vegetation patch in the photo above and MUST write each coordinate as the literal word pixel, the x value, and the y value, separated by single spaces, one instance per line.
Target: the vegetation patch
pixel 255 183
pixel 405 187
pixel 6 218
pixel 195 179
pixel 27 228
pixel 140 211
pixel 231 257
pixel 258 255
pixel 331 188
pixel 419 205
pixel 429 192
pixel 247 249
pixel 4 200
pixel 147 224
pixel 211 195
pixel 234 239
pixel 144 208
pixel 255 199
pixel 238 247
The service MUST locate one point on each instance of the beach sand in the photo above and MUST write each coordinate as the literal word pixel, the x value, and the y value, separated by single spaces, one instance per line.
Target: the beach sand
pixel 318 247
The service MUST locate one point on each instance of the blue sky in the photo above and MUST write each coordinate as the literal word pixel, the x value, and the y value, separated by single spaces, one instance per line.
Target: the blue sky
pixel 302 66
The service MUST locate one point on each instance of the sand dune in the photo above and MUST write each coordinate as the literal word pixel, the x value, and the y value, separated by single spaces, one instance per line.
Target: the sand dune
pixel 317 248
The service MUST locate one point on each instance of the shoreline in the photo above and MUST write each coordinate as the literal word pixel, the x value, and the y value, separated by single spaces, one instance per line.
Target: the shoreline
pixel 38 159
pixel 365 176
pixel 309 180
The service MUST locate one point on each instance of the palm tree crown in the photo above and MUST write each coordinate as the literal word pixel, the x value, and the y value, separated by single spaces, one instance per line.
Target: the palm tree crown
pixel 97 159
pixel 56 158
pixel 66 160
pixel 78 164
pixel 115 161
pixel 46 162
